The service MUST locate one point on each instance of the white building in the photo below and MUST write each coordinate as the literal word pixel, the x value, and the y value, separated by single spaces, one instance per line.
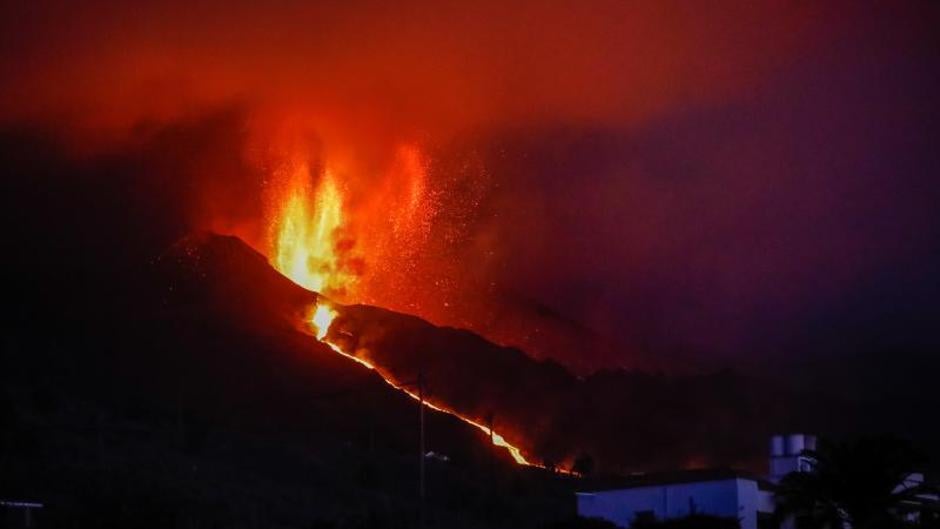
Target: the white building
pixel 717 492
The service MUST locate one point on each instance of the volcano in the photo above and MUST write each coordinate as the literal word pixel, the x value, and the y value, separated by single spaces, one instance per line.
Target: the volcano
pixel 201 398
pixel 545 412
pixel 197 390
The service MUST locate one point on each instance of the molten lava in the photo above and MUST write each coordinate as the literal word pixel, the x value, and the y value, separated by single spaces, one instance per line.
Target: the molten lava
pixel 309 247
pixel 321 320
pixel 307 233
pixel 355 234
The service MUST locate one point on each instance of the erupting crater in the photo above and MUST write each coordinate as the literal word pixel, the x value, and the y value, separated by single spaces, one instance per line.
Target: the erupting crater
pixel 330 242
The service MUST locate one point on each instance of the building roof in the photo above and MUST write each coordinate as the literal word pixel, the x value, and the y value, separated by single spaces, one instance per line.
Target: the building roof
pixel 674 477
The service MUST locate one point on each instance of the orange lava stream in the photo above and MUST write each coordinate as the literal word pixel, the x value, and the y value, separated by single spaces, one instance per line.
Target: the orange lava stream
pixel 321 320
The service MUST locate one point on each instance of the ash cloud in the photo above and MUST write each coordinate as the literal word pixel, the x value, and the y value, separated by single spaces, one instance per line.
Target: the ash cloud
pixel 702 188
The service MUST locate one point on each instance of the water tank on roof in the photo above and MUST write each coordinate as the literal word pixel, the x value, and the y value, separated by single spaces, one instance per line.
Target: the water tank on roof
pixel 786 454
pixel 795 444
pixel 811 442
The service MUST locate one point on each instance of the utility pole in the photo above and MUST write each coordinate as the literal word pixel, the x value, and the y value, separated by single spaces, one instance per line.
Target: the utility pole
pixel 491 453
pixel 421 449
pixel 489 423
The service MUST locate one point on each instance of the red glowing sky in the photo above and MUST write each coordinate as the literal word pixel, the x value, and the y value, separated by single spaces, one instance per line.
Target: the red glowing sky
pixel 363 71
pixel 712 181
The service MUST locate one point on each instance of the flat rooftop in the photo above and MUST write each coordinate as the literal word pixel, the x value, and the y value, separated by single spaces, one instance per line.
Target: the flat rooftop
pixel 672 477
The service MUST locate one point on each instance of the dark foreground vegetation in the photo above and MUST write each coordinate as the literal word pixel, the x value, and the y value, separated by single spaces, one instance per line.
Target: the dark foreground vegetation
pixel 863 483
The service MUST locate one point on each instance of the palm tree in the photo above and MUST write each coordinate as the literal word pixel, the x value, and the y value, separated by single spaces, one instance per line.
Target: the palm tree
pixel 852 484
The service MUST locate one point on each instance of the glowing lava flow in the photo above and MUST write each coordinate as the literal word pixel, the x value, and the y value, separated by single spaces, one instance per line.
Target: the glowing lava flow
pixel 498 440
pixel 321 320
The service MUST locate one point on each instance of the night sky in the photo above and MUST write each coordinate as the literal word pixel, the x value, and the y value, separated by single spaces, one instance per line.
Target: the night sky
pixel 748 186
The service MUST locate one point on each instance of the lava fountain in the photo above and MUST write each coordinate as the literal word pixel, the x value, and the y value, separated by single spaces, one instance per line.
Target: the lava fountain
pixel 310 249
pixel 307 233
pixel 356 235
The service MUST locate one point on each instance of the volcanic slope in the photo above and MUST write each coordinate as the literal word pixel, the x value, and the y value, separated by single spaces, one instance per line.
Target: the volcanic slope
pixel 625 421
pixel 199 399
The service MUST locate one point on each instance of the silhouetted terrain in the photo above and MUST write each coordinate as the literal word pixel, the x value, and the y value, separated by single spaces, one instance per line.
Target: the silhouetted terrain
pixel 720 419
pixel 203 406
pixel 149 380
pixel 626 421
